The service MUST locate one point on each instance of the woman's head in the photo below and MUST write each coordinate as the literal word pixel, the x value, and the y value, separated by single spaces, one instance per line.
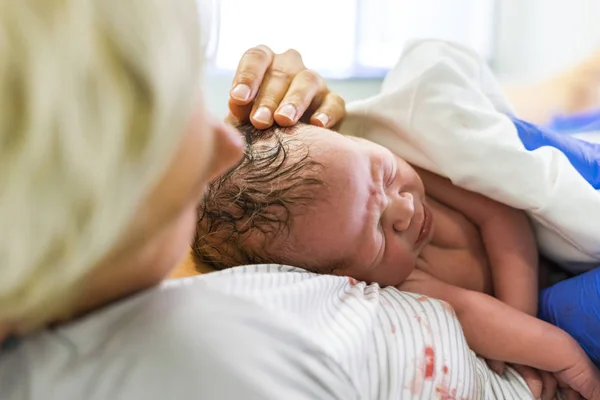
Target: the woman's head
pixel 104 150
pixel 334 204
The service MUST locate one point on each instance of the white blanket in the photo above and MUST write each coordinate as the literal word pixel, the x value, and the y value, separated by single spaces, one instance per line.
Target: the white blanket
pixel 442 109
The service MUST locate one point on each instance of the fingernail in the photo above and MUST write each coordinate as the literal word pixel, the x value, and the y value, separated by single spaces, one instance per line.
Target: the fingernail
pixel 241 92
pixel 263 114
pixel 323 119
pixel 288 111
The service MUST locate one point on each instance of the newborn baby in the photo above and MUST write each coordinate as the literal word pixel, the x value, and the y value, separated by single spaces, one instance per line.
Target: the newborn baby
pixel 329 203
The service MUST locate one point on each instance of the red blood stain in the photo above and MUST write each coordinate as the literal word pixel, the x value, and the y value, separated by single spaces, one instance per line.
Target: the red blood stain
pixel 445 369
pixel 423 299
pixel 352 281
pixel 393 329
pixel 429 362
pixel 446 394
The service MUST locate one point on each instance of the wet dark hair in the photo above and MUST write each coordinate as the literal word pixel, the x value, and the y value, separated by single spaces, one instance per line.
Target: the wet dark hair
pixel 246 213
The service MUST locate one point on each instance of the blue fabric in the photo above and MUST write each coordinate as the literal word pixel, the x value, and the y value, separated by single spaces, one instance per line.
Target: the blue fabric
pixel 574 123
pixel 574 306
pixel 584 156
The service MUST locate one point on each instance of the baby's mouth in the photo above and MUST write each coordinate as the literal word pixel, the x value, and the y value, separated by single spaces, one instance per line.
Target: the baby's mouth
pixel 425 226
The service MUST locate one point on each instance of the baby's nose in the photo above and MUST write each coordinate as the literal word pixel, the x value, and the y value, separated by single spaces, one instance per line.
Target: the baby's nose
pixel 403 211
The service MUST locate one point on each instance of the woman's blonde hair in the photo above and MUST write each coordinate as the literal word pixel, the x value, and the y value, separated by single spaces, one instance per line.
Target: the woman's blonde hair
pixel 94 97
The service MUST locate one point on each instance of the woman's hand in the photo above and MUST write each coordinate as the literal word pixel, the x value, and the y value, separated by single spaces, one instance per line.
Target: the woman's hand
pixel 270 87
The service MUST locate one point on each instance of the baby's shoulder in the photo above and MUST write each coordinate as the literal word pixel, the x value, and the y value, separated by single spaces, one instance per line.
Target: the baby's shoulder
pixel 452 228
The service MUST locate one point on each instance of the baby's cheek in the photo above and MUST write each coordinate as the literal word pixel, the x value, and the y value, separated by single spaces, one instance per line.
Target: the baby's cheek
pixel 398 268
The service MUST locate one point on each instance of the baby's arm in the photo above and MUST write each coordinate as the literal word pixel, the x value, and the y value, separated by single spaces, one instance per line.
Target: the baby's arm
pixel 499 332
pixel 507 236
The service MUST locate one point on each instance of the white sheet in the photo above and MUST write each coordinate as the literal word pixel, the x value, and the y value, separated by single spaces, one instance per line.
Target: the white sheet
pixel 592 137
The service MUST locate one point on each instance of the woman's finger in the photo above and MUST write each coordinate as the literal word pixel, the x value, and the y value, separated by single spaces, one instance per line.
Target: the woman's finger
pixel 289 62
pixel 250 73
pixel 330 111
pixel 278 88
pixel 275 85
pixel 238 113
pixel 305 86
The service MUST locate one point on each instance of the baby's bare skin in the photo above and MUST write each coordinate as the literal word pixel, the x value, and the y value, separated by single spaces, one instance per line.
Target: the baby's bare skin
pixel 480 244
pixel 367 221
pixel 456 254
pixel 478 247
pixel 469 247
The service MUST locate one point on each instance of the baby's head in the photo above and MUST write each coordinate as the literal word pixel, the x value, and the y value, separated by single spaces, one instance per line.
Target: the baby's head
pixel 315 199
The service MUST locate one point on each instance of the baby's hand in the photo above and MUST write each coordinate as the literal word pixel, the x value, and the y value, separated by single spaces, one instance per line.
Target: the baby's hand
pixel 583 377
pixel 541 384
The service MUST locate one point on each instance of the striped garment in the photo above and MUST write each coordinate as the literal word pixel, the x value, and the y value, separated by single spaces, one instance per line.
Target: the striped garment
pixel 391 344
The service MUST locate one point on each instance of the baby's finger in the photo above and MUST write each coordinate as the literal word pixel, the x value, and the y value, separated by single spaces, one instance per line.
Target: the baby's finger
pixel 250 73
pixel 301 93
pixel 496 366
pixel 532 378
pixel 330 112
pixel 566 392
pixel 550 385
pixel 570 394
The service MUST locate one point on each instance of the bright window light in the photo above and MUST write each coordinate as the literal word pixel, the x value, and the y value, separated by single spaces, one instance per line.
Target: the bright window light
pixel 343 38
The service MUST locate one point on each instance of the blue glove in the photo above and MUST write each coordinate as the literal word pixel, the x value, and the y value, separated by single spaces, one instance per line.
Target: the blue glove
pixel 584 156
pixel 574 306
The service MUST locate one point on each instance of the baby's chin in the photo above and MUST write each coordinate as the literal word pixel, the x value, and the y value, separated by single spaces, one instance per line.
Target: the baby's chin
pixel 405 272
pixel 393 277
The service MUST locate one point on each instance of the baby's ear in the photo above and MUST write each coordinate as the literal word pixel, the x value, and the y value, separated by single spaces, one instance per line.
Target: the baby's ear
pixel 202 268
pixel 191 266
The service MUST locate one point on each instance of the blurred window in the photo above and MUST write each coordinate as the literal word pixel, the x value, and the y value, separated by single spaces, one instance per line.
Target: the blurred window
pixel 343 38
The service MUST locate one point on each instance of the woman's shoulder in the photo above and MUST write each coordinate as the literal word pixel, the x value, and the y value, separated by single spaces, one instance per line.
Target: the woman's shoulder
pixel 182 340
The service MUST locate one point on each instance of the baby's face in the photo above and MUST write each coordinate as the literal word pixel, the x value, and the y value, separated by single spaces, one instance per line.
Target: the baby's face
pixel 370 216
